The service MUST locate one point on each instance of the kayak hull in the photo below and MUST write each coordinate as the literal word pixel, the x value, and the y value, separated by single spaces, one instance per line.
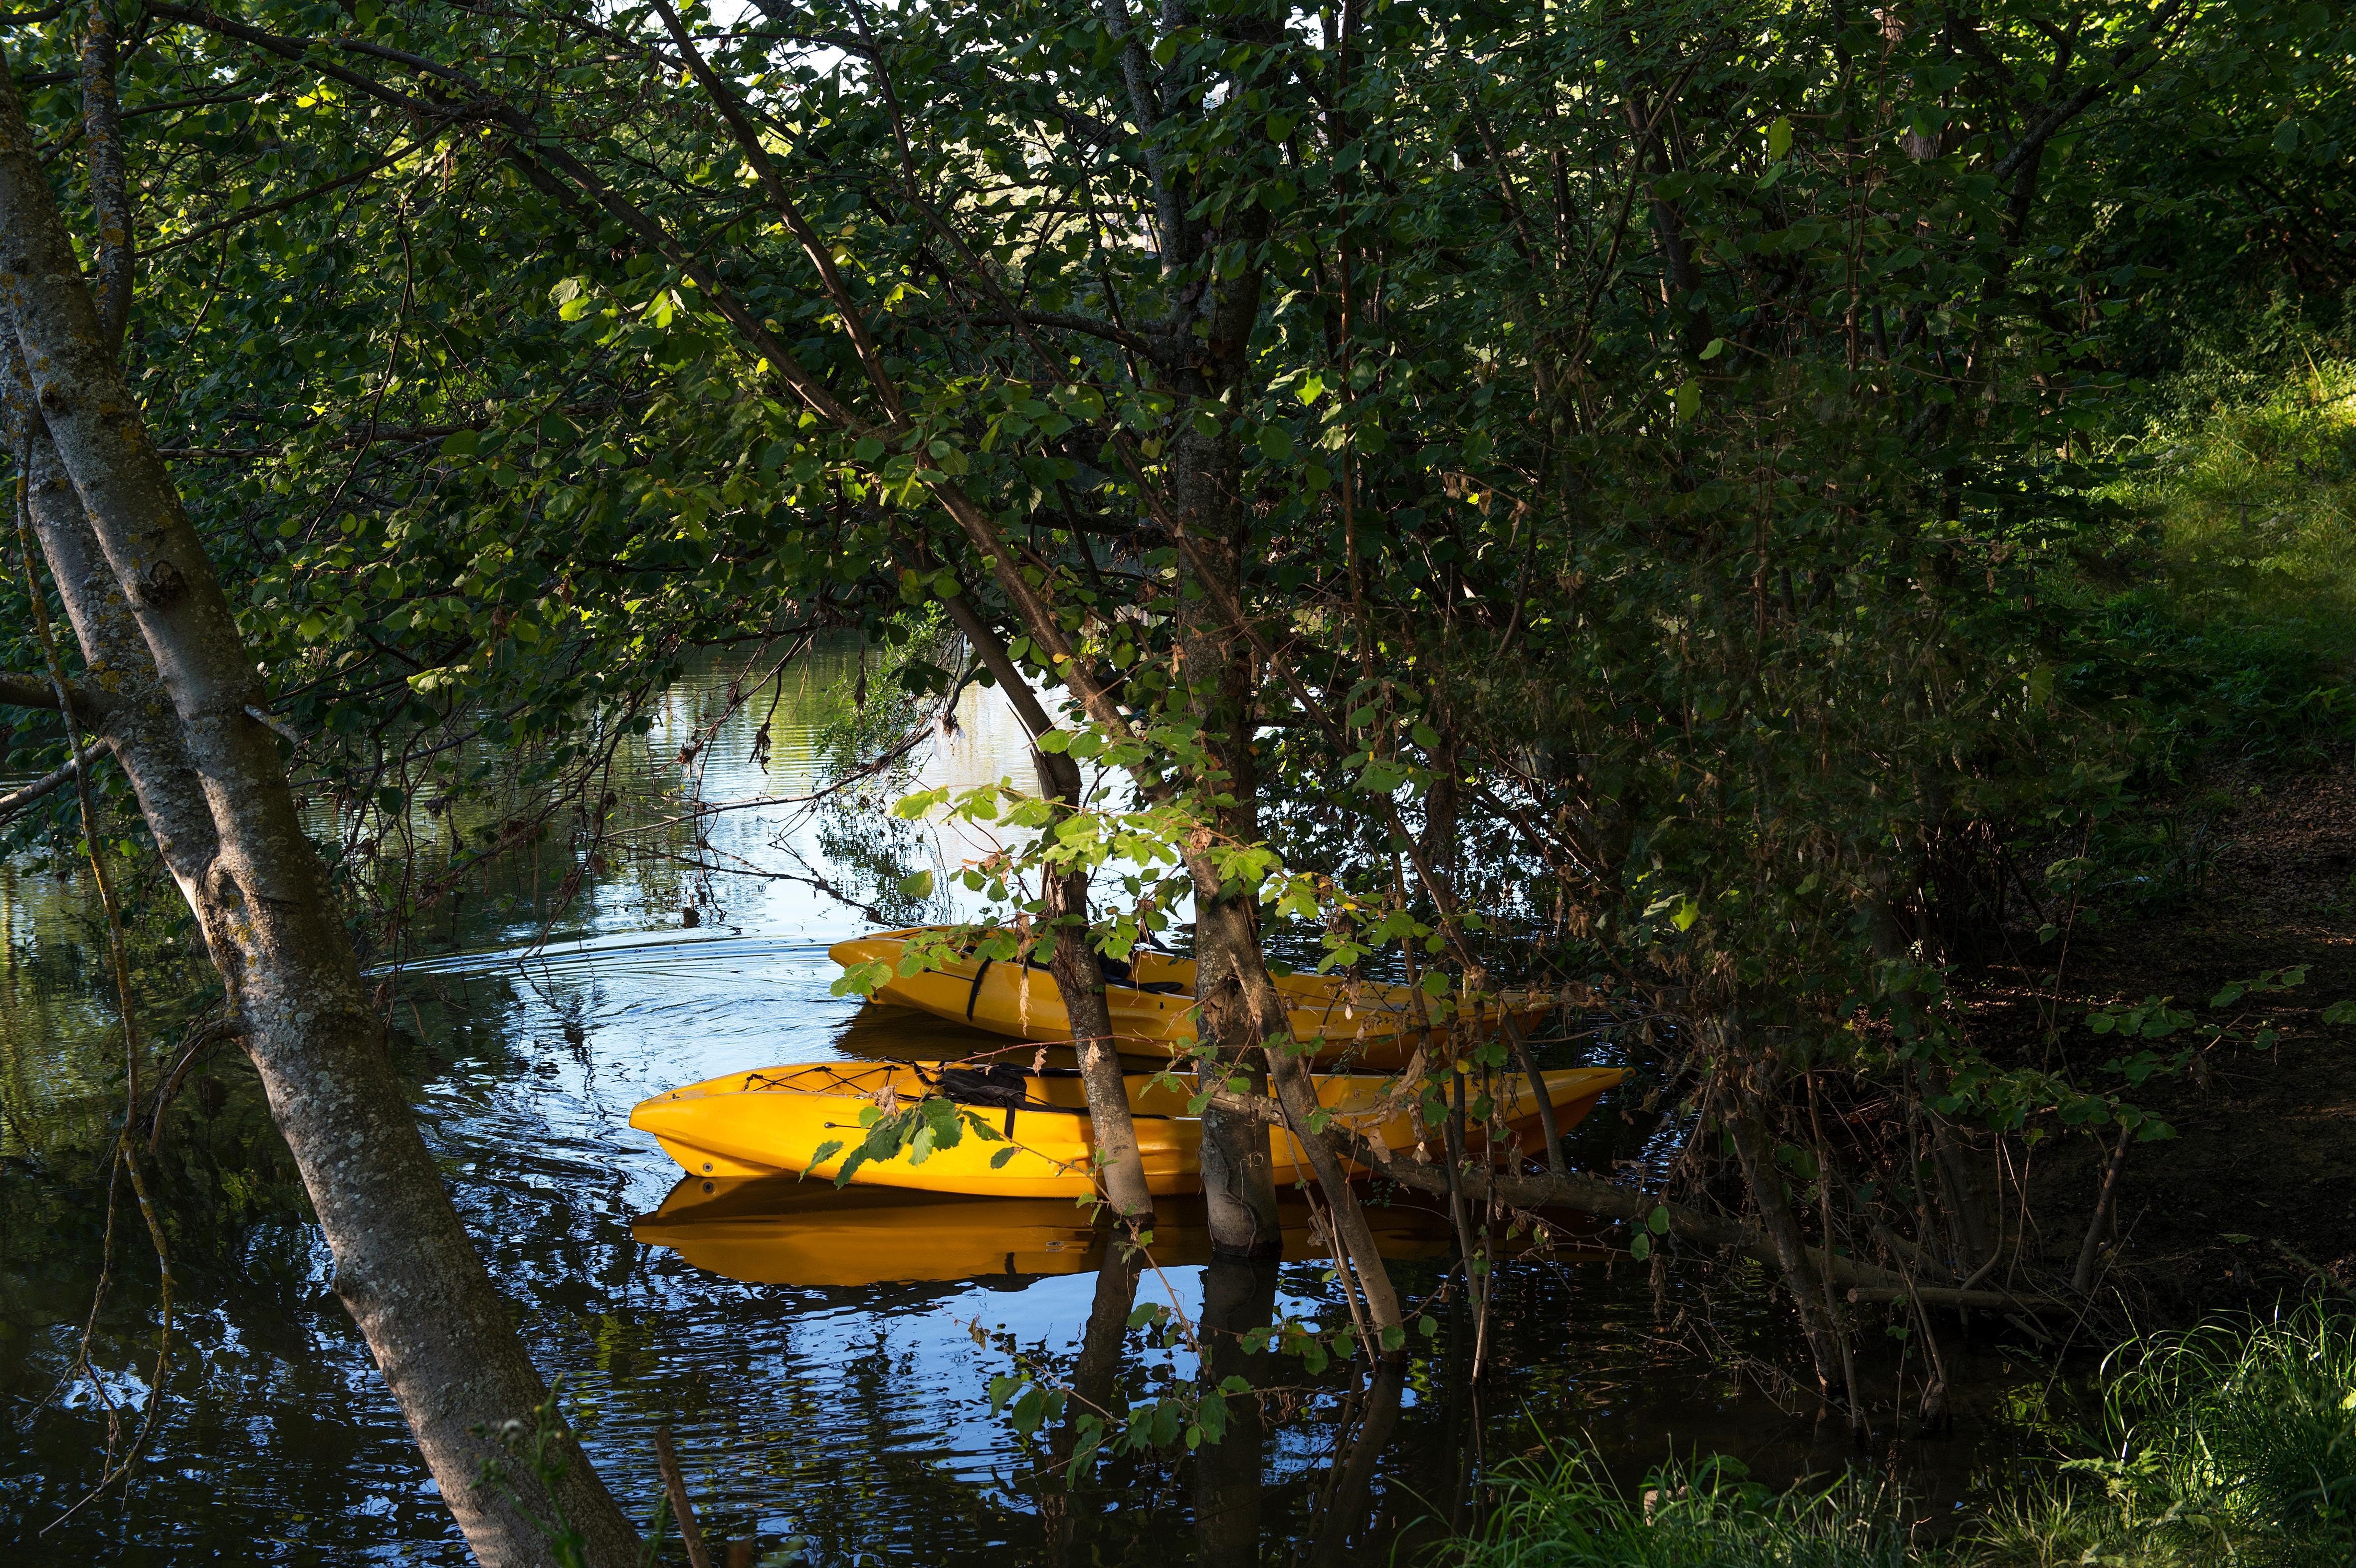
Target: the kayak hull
pixel 777 1120
pixel 1372 1026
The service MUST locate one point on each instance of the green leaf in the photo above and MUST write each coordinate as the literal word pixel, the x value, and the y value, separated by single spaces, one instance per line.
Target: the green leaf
pixel 1393 1337
pixel 919 887
pixel 1779 137
pixel 460 443
pixel 998 1161
pixel 1641 1248
pixel 1657 1222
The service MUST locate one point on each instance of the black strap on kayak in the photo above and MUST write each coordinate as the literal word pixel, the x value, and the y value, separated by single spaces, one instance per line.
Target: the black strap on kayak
pixel 975 994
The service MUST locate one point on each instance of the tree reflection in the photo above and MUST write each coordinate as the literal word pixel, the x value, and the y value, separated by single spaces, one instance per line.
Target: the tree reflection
pixel 1238 1296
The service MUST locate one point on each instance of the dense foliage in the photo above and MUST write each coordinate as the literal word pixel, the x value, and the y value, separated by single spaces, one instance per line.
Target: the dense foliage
pixel 1617 501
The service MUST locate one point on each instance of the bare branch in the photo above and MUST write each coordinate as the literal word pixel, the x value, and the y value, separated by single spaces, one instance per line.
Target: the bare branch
pixel 47 783
pixel 22 691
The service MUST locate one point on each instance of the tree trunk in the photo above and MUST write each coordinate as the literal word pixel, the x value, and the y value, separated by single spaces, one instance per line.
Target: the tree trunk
pixel 1238 1184
pixel 1079 975
pixel 138 725
pixel 1079 980
pixel 440 1333
pixel 1800 1277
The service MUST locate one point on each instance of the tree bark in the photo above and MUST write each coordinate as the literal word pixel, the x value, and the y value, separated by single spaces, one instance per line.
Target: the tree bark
pixel 138 724
pixel 1238 1184
pixel 1079 975
pixel 440 1333
pixel 1792 1253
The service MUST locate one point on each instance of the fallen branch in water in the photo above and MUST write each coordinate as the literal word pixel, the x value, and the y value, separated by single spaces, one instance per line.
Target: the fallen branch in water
pixel 675 1485
pixel 1587 1194
pixel 1947 1295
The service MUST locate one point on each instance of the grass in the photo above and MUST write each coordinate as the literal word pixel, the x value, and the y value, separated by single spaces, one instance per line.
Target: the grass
pixel 1711 1517
pixel 2221 602
pixel 2252 499
pixel 2232 1443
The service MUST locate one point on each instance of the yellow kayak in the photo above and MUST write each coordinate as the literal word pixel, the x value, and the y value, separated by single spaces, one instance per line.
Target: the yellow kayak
pixel 776 1120
pixel 1151 999
pixel 775 1230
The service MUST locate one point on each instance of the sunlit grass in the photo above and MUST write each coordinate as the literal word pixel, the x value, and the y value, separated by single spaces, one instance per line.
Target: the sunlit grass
pixel 1571 1516
pixel 2224 1443
pixel 2230 1446
pixel 2253 501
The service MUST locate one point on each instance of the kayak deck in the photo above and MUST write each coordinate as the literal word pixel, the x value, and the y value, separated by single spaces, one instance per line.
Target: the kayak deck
pixel 1151 1002
pixel 776 1120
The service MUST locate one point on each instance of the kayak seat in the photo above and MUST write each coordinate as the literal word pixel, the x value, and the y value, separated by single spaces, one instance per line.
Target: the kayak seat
pixel 1120 972
pixel 999 1084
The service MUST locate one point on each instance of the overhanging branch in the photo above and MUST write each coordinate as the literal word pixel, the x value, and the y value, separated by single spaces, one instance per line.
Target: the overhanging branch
pixel 22 691
pixel 47 783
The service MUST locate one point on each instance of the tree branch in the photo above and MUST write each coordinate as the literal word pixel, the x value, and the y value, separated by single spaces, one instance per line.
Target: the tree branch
pixel 47 783
pixel 1586 1194
pixel 1134 342
pixel 20 691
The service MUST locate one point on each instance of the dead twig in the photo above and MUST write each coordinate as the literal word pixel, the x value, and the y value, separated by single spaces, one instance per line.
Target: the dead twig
pixel 675 1485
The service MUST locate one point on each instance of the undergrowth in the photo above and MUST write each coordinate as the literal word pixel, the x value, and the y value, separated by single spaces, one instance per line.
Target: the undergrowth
pixel 2230 1444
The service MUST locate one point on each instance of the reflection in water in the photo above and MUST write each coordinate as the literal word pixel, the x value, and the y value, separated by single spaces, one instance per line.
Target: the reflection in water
pixel 1238 1296
pixel 1094 1383
pixel 783 1231
pixel 816 1353
pixel 1361 1434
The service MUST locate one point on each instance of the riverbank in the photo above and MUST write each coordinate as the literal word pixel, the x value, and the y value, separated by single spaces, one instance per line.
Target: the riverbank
pixel 2229 1443
pixel 2255 1195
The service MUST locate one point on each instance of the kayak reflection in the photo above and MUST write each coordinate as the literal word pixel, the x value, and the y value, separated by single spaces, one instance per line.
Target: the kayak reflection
pixel 780 1231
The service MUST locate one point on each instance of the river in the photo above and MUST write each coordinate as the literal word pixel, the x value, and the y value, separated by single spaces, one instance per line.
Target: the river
pixel 824 1361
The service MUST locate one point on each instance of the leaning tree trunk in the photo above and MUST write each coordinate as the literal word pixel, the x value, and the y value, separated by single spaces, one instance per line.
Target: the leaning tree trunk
pixel 1754 1152
pixel 131 713
pixel 1079 976
pixel 440 1333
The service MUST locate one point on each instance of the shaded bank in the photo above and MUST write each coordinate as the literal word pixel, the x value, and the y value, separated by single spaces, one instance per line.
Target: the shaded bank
pixel 2234 1442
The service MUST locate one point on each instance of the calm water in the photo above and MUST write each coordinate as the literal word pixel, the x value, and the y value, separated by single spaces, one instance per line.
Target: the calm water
pixel 823 1359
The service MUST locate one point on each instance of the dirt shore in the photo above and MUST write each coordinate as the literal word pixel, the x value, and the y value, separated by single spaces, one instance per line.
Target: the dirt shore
pixel 2255 1196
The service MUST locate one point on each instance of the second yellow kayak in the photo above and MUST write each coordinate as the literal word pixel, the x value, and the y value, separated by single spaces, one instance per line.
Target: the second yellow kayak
pixel 1153 1003
pixel 778 1120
